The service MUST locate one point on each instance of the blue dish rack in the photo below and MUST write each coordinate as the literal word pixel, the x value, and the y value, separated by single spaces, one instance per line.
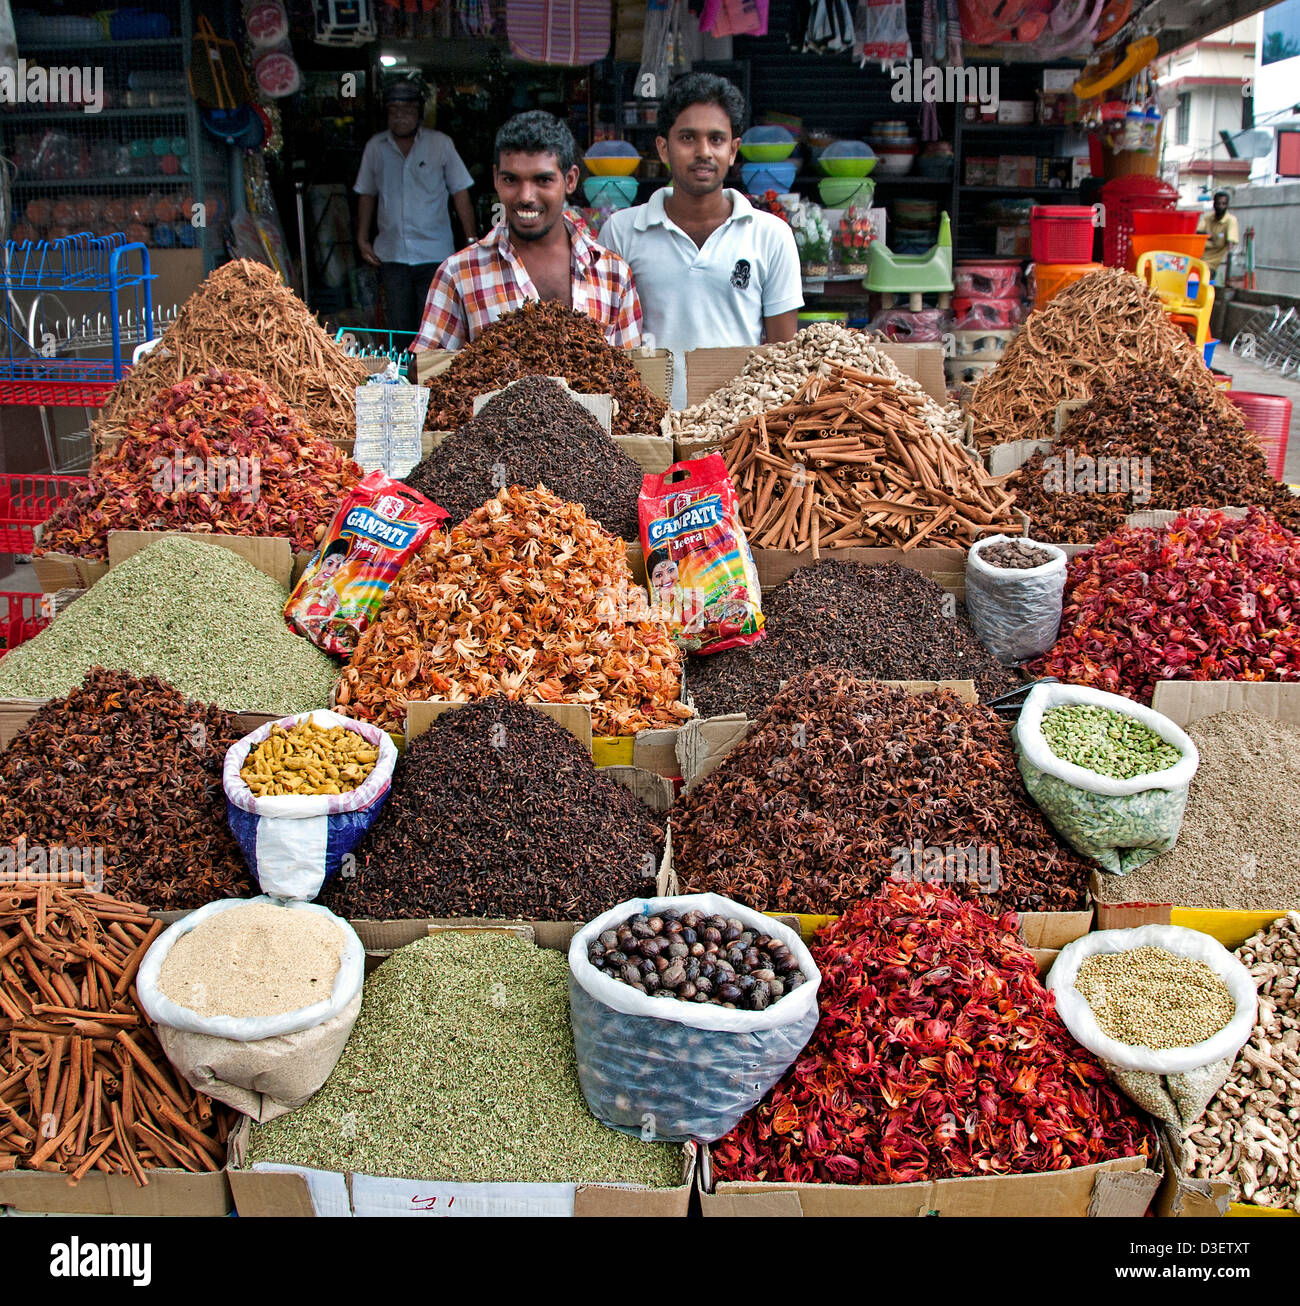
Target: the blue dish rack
pixel 373 342
pixel 81 264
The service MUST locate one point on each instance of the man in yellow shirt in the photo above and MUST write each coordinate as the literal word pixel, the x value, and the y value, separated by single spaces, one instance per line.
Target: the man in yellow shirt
pixel 1221 227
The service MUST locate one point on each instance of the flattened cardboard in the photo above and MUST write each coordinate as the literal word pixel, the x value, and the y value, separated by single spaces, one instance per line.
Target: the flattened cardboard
pixel 1180 1196
pixel 1124 1187
pixel 168 1192
pixel 708 370
pixel 271 555
pixel 1012 456
pixel 1052 930
pixel 946 567
pixel 1231 927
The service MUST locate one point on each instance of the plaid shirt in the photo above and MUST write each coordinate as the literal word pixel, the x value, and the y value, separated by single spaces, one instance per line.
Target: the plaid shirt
pixel 487 279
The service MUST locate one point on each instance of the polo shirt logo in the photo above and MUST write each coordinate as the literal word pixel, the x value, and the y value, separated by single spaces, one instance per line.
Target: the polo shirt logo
pixel 740 274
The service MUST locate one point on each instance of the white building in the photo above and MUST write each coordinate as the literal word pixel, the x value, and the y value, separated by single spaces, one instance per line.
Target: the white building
pixel 1214 81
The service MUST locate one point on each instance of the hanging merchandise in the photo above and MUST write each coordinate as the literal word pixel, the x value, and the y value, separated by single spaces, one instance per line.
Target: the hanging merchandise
pixel 564 32
pixel 275 70
pixel 880 32
pixel 734 17
pixel 344 22
pixel 475 18
pixel 657 49
pixel 216 73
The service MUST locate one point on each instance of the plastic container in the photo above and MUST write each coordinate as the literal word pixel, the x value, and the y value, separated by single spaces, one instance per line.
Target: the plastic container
pixel 1122 198
pixel 1052 278
pixel 1209 352
pixel 840 192
pixel 1061 234
pixel 612 159
pixel 971 312
pixel 767 144
pixel 26 501
pixel 21 617
pixel 991 279
pixel 613 192
pixel 1268 418
pixel 1193 246
pixel 758 177
pixel 1159 222
pixel 847 159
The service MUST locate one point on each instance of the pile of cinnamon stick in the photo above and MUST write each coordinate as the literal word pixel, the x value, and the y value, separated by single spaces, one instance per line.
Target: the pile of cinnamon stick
pixel 84 1083
pixel 849 463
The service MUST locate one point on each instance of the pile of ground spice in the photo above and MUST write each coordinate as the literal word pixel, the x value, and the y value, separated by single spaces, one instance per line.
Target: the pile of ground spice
pixel 260 959
pixel 533 434
pixel 880 622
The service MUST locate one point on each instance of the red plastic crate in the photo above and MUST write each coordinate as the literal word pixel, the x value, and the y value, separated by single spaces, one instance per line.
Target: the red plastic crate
pixel 1268 418
pixel 1165 222
pixel 1122 198
pixel 1061 234
pixel 21 616
pixel 25 502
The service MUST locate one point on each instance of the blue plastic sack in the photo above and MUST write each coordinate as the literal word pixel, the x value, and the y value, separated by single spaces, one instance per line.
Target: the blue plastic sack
pixel 295 845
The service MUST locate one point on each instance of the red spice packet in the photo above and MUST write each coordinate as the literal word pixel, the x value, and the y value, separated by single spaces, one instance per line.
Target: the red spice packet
pixel 379 525
pixel 702 576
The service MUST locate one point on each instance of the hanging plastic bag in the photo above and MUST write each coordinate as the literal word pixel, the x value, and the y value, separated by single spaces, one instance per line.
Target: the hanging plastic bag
pixel 293 845
pixel 702 574
pixel 1120 824
pixel 1016 612
pixel 263 1066
pixel 379 526
pixel 880 31
pixel 1174 1084
pixel 675 1070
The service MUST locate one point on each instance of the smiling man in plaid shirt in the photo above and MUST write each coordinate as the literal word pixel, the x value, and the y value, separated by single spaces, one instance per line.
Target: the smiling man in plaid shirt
pixel 535 253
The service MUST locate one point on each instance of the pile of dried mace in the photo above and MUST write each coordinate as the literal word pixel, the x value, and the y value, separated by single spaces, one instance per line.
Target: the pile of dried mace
pixel 498 811
pixel 843 784
pixel 123 777
pixel 938 1055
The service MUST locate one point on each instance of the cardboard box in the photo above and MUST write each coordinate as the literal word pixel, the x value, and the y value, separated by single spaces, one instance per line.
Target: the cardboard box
pixel 708 370
pixel 168 1192
pixel 1124 1187
pixel 1185 702
pixel 1060 79
pixel 982 170
pixel 1013 242
pixel 1017 169
pixel 299 1191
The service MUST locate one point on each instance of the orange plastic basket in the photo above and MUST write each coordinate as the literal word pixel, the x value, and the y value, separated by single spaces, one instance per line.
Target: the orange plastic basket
pixel 1052 278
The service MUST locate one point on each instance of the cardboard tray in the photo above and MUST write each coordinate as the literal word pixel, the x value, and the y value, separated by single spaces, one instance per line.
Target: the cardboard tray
pixel 1123 1188
pixel 15 713
pixel 168 1192
pixel 1185 702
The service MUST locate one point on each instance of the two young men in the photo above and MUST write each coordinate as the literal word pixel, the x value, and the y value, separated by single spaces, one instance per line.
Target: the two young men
pixel 698 264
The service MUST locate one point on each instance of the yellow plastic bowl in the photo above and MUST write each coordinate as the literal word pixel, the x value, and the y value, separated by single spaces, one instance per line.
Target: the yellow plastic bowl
pixel 613 165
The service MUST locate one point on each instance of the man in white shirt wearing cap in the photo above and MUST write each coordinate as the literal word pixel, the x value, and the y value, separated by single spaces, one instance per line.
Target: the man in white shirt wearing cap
pixel 407 175
pixel 711 270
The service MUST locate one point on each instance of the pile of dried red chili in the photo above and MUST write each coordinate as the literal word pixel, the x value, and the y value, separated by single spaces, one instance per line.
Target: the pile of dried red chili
pixel 218 452
pixel 938 1055
pixel 1209 597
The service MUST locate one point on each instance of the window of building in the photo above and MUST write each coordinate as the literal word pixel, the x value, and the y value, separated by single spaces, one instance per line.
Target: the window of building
pixel 1183 120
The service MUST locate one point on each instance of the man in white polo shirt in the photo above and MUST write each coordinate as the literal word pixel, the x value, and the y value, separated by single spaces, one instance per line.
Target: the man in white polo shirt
pixel 407 174
pixel 711 270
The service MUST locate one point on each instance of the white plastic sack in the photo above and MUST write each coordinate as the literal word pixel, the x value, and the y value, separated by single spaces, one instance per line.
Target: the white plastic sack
pixel 672 1070
pixel 294 845
pixel 1120 824
pixel 1175 1084
pixel 1016 613
pixel 260 1065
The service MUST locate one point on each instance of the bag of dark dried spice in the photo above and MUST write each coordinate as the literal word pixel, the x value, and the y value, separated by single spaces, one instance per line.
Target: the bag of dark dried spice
pixel 685 1011
pixel 1014 590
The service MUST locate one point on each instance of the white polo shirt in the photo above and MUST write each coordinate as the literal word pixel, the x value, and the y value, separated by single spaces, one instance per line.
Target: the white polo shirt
pixel 413 189
pixel 693 298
